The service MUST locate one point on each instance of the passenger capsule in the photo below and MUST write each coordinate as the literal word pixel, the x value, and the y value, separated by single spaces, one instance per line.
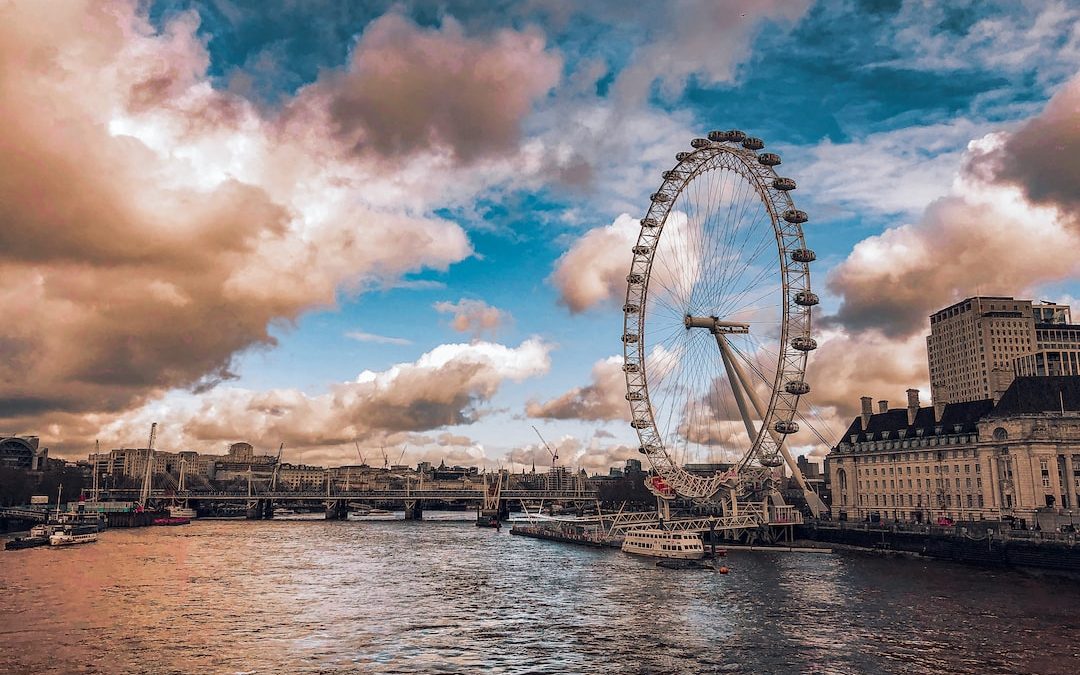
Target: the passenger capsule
pixel 659 197
pixel 806 298
pixel 752 143
pixel 635 396
pixel 642 250
pixel 786 427
pixel 672 175
pixel 631 368
pixel 769 159
pixel 797 388
pixel 784 184
pixel 803 343
pixel 803 255
pixel 629 338
pixel 700 143
pixel 640 424
pixel 641 450
pixel 794 216
pixel 649 222
pixel 680 156
pixel 718 136
pixel 770 461
pixel 736 136
pixel 635 278
pixel 630 308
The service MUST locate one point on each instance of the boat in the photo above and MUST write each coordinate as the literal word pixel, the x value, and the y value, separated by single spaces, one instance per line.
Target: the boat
pixel 171 520
pixel 658 543
pixel 182 512
pixel 372 514
pixel 69 538
pixel 25 542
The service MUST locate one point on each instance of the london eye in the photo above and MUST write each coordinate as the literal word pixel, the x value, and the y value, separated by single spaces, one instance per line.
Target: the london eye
pixel 717 317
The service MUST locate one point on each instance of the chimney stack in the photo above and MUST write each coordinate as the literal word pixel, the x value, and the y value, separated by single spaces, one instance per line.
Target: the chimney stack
pixel 867 410
pixel 912 405
pixel 883 406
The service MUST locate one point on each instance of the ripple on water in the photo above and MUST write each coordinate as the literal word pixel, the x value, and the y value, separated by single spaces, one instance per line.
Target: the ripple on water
pixel 447 597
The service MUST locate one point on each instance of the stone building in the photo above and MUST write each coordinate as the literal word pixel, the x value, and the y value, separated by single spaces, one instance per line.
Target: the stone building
pixel 23 452
pixel 1017 459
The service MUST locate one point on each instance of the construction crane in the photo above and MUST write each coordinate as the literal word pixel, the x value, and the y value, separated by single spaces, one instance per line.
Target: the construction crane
pixel 402 455
pixel 359 454
pixel 277 467
pixel 554 453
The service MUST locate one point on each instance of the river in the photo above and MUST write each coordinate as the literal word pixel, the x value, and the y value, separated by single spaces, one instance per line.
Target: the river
pixel 443 596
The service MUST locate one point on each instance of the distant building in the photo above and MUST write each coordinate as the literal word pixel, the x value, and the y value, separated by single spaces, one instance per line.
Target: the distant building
pixel 1014 459
pixel 22 452
pixel 978 345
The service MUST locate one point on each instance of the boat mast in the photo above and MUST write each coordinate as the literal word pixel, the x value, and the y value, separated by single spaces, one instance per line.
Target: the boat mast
pixel 59 491
pixel 144 495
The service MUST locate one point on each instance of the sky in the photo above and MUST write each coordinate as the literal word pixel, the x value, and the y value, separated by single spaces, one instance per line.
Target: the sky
pixel 406 225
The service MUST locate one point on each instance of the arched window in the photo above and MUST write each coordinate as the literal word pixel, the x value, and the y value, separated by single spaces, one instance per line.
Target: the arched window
pixel 1000 434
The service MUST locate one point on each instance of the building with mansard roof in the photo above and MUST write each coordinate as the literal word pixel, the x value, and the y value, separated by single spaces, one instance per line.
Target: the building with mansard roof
pixel 1017 459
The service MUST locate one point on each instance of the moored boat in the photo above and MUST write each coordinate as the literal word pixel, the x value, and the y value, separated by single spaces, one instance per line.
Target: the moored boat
pixel 658 543
pixel 69 538
pixel 25 542
pixel 182 512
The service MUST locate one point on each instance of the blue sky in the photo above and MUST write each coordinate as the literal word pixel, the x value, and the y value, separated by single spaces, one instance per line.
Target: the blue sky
pixel 873 106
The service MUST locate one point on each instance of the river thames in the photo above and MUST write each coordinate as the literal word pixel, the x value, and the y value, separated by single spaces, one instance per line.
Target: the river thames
pixel 443 596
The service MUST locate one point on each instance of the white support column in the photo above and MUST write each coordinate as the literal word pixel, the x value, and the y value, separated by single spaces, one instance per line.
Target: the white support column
pixel 812 499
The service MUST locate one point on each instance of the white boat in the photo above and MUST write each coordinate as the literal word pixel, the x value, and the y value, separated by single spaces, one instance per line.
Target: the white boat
pixel 664 544
pixel 181 512
pixel 67 538
pixel 372 514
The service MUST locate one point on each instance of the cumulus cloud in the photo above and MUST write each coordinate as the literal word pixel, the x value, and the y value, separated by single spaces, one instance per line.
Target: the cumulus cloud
pixel 981 239
pixel 446 386
pixel 594 269
pixel 602 399
pixel 473 316
pixel 152 227
pixel 408 88
pixel 574 453
pixel 1042 157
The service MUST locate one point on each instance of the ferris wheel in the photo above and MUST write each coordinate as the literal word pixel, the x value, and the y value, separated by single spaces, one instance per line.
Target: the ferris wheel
pixel 716 327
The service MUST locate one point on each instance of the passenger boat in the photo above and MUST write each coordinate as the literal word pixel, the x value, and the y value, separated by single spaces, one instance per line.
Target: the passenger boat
pixel 182 512
pixel 372 514
pixel 69 538
pixel 664 544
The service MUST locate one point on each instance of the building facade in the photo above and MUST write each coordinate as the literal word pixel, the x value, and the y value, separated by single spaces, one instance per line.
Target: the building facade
pixel 978 345
pixel 23 452
pixel 1017 459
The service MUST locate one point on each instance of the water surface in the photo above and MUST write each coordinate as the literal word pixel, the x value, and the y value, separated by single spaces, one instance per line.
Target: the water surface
pixel 447 597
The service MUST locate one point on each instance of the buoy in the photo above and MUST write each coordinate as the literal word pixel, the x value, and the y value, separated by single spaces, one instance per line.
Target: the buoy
pixel 723 570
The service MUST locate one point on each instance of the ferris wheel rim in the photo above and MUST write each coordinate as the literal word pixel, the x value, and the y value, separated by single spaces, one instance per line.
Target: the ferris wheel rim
pixel 795 341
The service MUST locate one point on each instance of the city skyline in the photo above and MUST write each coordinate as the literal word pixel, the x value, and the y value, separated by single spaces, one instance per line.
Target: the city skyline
pixel 243 242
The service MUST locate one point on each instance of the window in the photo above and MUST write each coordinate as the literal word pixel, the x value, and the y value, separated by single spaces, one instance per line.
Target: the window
pixel 967 468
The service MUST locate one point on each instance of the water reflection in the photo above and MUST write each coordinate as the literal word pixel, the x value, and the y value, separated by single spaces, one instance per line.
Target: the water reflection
pixel 447 597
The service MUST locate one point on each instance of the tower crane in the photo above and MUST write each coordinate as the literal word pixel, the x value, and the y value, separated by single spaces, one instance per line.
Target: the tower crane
pixel 554 453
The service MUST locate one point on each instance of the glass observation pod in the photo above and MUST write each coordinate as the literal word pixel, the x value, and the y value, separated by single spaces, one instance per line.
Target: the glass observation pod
pixel 752 143
pixel 803 343
pixel 700 143
pixel 786 427
pixel 769 159
pixel 806 298
pixel 785 184
pixel 803 255
pixel 797 388
pixel 795 216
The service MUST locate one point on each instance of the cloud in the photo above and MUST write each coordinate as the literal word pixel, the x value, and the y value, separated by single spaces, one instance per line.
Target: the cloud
pixel 703 40
pixel 408 89
pixel 152 227
pixel 574 453
pixel 602 399
pixel 594 269
pixel 473 316
pixel 361 336
pixel 981 239
pixel 446 386
pixel 1042 157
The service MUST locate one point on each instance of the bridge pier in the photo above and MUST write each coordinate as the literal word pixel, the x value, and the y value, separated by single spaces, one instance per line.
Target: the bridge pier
pixel 337 509
pixel 414 509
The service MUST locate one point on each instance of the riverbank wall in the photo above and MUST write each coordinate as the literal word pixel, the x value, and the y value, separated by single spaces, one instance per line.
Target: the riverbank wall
pixel 985 546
